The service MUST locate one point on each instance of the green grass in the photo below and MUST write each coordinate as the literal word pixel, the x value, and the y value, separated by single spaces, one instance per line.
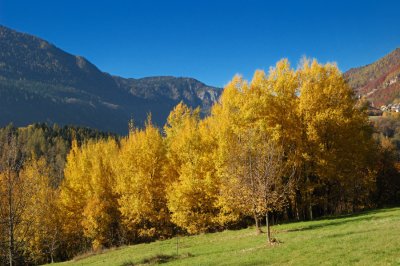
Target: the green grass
pixel 370 238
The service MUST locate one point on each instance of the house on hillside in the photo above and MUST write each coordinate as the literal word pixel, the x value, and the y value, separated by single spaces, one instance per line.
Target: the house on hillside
pixel 395 108
pixel 390 108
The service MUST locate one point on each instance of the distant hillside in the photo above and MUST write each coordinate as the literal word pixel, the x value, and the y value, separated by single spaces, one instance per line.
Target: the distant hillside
pixel 41 83
pixel 379 82
pixel 167 88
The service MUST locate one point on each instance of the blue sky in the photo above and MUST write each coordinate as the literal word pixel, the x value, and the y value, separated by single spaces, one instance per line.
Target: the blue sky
pixel 209 40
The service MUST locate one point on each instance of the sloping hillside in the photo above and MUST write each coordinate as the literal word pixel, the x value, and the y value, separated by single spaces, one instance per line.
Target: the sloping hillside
pixel 41 83
pixel 369 238
pixel 379 82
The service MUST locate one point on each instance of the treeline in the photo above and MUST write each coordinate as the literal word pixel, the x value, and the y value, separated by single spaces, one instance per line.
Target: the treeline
pixel 387 134
pixel 290 145
pixel 32 161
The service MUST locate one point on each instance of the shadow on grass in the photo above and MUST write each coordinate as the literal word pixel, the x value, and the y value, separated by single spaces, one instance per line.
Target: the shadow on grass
pixel 158 259
pixel 339 235
pixel 345 219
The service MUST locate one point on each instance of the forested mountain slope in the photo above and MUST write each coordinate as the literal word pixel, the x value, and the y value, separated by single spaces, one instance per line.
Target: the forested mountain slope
pixel 41 83
pixel 379 82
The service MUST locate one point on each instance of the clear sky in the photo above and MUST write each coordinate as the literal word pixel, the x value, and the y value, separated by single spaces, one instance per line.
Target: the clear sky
pixel 209 40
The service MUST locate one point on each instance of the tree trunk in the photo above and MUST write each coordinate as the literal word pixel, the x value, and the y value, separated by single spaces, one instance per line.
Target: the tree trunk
pixel 326 206
pixel 310 211
pixel 268 228
pixel 297 203
pixel 297 213
pixel 258 229
pixel 11 249
pixel 10 222
pixel 177 245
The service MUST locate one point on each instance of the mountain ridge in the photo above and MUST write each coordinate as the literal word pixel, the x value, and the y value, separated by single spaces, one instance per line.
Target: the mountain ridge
pixel 36 76
pixel 378 82
pixel 40 82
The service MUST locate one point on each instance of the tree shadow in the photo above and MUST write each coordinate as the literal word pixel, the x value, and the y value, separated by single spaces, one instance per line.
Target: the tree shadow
pixel 158 259
pixel 344 219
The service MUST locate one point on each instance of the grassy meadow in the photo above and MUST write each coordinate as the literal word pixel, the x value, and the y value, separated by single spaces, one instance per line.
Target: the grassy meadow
pixel 369 238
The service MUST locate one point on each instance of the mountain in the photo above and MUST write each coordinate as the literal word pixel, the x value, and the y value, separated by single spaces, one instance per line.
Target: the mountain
pixel 379 82
pixel 41 83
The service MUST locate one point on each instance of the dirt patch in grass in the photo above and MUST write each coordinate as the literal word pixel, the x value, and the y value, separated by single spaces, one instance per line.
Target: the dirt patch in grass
pixel 92 253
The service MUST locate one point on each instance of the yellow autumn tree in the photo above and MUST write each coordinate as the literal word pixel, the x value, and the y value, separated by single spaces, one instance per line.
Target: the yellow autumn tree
pixel 42 213
pixel 256 138
pixel 192 194
pixel 87 198
pixel 141 184
pixel 337 137
pixel 15 193
pixel 226 123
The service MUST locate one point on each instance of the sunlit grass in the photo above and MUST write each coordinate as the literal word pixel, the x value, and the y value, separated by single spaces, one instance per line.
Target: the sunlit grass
pixel 370 238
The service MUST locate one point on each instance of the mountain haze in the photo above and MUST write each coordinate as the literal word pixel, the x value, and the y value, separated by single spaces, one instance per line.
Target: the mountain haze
pixel 41 83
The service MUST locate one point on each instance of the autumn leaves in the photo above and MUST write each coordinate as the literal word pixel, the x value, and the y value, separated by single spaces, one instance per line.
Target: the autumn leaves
pixel 269 146
pixel 290 144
